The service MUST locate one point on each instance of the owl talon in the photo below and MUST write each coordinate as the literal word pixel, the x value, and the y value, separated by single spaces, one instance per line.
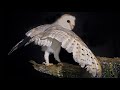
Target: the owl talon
pixel 47 64
pixel 60 64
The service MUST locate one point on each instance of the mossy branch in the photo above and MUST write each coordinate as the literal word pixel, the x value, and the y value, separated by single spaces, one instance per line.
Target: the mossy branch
pixel 110 69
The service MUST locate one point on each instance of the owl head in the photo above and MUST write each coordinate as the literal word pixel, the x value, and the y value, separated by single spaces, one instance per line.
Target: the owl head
pixel 67 21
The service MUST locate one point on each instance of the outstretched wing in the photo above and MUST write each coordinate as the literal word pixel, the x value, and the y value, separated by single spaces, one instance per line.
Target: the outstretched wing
pixel 30 35
pixel 73 44
pixel 37 30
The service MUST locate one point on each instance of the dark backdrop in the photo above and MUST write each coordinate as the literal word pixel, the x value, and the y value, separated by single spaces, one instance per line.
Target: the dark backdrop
pixel 99 30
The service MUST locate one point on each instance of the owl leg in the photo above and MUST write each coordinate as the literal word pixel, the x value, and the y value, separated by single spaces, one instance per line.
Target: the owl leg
pixel 46 56
pixel 56 54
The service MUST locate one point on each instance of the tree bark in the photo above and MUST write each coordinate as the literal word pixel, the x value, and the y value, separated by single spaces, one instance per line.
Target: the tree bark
pixel 110 69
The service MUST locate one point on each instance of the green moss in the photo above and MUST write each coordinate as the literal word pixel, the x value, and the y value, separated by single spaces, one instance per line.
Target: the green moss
pixel 110 69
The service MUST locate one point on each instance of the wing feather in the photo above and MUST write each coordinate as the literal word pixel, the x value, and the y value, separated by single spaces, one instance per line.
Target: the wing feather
pixel 37 30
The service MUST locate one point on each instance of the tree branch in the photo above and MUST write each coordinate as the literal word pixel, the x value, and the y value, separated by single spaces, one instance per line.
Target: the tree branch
pixel 110 69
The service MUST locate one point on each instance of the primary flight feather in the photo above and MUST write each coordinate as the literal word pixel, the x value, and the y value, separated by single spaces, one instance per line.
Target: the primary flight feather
pixel 59 34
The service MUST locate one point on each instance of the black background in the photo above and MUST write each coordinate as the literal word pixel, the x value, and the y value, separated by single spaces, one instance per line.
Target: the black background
pixel 97 26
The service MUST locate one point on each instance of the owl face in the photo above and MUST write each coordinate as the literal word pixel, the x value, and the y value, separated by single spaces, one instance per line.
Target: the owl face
pixel 67 21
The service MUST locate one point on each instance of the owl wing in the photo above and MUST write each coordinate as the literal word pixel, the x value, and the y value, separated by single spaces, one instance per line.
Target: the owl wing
pixel 36 33
pixel 73 44
pixel 37 30
pixel 32 35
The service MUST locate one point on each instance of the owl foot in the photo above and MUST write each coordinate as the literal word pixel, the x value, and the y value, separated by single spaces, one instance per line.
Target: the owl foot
pixel 47 64
pixel 60 64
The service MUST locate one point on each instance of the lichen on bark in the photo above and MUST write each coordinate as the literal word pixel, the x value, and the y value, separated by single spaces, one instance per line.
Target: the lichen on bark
pixel 110 69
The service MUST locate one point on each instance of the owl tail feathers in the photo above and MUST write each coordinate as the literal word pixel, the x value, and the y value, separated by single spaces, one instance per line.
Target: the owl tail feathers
pixel 23 42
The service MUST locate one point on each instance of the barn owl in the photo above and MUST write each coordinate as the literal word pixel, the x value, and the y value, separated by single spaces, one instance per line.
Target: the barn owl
pixel 51 37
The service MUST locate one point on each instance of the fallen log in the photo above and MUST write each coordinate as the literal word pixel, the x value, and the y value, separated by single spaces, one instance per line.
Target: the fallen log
pixel 110 69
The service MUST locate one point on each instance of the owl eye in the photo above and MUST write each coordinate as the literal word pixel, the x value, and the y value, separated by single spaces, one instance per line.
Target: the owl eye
pixel 68 21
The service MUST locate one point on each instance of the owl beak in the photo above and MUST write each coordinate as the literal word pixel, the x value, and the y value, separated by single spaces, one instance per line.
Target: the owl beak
pixel 72 26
